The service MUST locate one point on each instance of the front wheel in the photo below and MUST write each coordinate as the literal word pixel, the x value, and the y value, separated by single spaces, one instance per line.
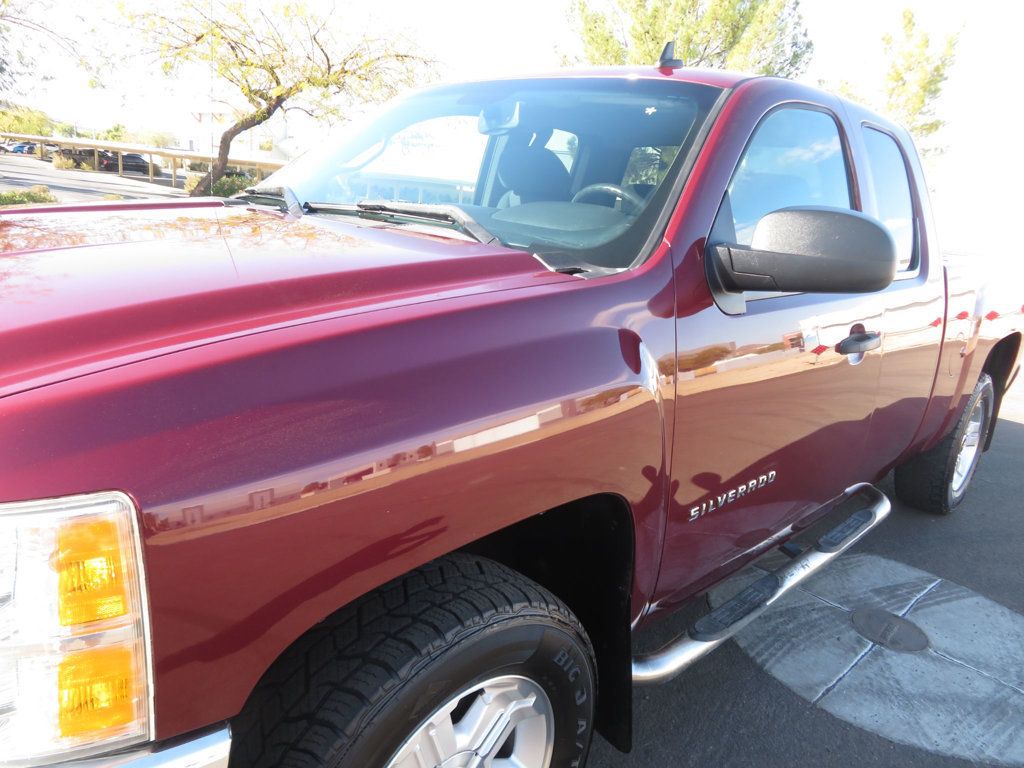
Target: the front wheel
pixel 937 480
pixel 462 662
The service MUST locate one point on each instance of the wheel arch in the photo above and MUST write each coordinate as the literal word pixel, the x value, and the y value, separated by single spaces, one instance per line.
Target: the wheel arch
pixel 1002 366
pixel 583 552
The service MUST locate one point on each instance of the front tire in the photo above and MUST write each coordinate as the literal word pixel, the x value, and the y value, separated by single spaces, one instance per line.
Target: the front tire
pixel 461 657
pixel 937 480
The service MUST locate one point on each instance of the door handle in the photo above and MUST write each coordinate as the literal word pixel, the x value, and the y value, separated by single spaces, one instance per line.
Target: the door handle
pixel 859 343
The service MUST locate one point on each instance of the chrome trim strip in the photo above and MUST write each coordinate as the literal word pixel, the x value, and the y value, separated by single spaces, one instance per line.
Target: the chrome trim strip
pixel 209 751
pixel 677 655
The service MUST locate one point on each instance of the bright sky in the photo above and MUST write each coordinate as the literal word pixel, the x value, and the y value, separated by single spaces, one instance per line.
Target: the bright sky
pixel 471 39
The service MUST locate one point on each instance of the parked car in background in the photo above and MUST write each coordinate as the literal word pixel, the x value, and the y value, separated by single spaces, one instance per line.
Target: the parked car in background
pixel 235 172
pixel 85 157
pixel 381 464
pixel 24 148
pixel 90 156
pixel 130 162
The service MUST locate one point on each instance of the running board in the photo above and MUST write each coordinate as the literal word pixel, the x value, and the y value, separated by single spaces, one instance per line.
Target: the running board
pixel 868 507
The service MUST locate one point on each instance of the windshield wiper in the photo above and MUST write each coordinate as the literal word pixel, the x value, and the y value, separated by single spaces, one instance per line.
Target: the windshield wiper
pixel 289 203
pixel 446 215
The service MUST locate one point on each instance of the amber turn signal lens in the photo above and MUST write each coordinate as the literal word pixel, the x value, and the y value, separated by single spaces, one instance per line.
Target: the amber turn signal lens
pixel 91 567
pixel 97 691
pixel 75 671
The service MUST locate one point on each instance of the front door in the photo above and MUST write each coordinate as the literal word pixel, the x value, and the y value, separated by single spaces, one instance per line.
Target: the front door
pixel 771 420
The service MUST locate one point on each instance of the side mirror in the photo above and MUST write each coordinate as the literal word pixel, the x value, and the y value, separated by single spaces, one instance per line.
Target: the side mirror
pixel 808 249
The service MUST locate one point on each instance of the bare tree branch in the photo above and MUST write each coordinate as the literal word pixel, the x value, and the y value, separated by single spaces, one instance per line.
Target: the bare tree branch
pixel 289 58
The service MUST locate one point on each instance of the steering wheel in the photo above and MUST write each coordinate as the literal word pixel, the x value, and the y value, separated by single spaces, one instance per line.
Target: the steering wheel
pixel 610 189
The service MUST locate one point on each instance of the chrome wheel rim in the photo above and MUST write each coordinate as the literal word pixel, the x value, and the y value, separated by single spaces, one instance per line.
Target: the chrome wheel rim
pixel 970 447
pixel 504 722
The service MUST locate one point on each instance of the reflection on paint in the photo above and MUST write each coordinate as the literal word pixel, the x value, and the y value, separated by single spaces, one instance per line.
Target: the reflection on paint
pixel 291 493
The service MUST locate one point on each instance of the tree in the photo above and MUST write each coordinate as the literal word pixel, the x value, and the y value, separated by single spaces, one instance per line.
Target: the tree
pixel 759 36
pixel 116 132
pixel 284 58
pixel 915 77
pixel 913 82
pixel 24 17
pixel 16 119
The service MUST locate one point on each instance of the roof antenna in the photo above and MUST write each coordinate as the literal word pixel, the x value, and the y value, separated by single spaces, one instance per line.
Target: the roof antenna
pixel 668 57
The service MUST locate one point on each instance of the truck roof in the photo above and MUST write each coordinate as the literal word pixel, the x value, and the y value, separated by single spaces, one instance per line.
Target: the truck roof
pixel 716 77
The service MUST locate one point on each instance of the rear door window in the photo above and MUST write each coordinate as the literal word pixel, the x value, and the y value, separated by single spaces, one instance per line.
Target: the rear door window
pixel 890 181
pixel 565 145
pixel 648 165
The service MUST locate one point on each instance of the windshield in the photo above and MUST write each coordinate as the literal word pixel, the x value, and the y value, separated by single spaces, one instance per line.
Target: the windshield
pixel 575 167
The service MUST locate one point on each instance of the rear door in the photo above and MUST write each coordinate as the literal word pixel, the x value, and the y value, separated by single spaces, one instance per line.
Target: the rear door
pixel 771 421
pixel 914 304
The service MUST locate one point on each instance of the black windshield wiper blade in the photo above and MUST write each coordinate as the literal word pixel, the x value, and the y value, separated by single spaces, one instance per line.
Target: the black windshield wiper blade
pixel 450 215
pixel 289 201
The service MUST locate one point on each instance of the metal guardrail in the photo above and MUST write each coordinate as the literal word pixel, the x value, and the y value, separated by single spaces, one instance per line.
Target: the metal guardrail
pixel 176 156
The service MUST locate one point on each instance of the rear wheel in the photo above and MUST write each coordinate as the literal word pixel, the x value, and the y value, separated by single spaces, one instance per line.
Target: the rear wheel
pixel 937 480
pixel 462 662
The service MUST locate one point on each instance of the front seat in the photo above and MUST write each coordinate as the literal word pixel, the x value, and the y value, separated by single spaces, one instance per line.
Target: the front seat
pixel 531 174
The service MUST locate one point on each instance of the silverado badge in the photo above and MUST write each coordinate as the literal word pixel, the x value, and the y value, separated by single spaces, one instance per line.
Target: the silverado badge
pixel 728 497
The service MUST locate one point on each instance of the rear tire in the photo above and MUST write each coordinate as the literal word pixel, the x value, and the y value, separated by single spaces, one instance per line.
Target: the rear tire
pixel 937 480
pixel 423 668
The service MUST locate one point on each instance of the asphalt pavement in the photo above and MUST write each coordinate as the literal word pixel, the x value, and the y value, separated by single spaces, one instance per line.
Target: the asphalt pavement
pixel 730 710
pixel 19 172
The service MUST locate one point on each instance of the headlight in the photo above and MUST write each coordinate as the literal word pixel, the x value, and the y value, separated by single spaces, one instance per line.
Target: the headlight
pixel 74 641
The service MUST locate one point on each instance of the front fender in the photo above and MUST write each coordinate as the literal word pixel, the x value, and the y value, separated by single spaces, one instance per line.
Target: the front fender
pixel 283 474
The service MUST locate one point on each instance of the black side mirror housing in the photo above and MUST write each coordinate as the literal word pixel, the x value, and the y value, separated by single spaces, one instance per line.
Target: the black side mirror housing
pixel 807 250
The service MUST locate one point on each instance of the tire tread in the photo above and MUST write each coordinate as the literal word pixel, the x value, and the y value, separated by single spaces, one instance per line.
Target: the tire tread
pixel 328 686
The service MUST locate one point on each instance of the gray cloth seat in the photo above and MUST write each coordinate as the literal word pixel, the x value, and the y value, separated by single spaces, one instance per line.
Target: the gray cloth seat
pixel 532 174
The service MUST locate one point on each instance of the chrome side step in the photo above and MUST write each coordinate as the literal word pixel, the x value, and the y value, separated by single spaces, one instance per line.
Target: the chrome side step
pixel 868 507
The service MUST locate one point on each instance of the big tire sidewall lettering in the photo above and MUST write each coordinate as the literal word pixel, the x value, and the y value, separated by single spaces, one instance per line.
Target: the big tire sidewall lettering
pixel 535 648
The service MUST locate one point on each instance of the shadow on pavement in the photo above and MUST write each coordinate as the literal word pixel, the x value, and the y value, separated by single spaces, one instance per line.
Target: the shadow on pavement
pixel 726 711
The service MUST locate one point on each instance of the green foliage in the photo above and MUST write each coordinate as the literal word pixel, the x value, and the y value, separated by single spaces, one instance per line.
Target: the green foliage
pixel 36 194
pixel 15 119
pixel 649 165
pixel 759 36
pixel 225 186
pixel 913 81
pixel 116 132
pixel 915 77
pixel 87 163
pixel 266 145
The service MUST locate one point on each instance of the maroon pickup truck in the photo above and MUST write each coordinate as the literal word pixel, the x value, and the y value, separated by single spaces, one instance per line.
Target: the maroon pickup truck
pixel 382 463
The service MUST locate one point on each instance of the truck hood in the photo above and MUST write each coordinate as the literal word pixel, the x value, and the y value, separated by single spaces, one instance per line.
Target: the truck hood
pixel 89 287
